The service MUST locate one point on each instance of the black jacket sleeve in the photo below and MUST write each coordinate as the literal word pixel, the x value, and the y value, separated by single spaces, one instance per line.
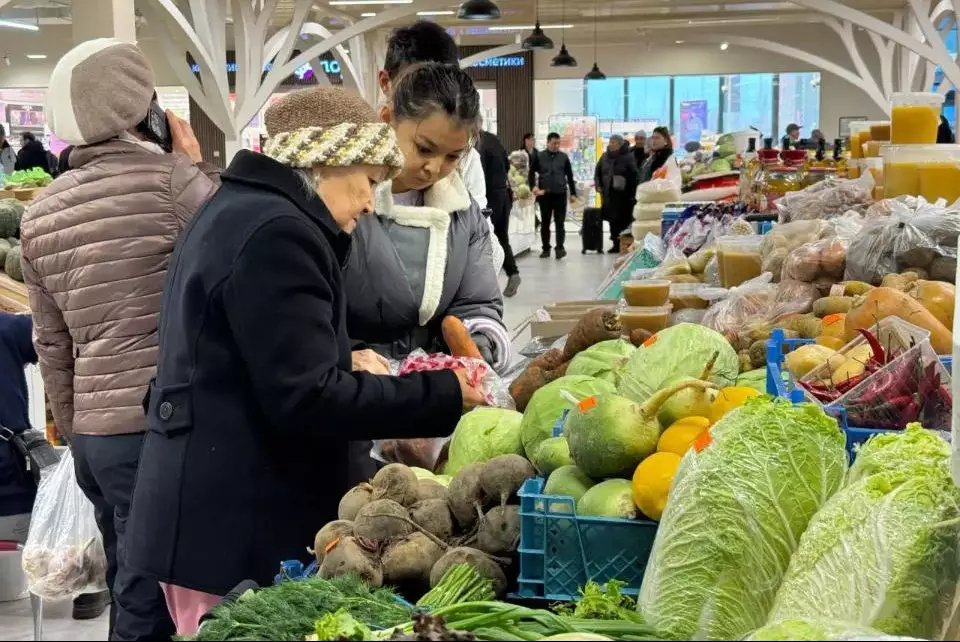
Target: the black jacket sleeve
pixel 568 170
pixel 534 168
pixel 632 176
pixel 284 320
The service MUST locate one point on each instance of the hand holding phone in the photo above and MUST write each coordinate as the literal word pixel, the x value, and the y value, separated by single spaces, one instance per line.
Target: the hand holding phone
pixel 182 137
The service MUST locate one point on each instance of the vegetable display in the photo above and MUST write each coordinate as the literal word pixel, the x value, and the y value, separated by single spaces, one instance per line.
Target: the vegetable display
pixel 26 178
pixel 11 211
pixel 738 507
pixel 483 434
pixel 605 360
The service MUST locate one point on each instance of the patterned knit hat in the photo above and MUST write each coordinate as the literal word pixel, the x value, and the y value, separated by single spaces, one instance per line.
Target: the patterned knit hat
pixel 329 126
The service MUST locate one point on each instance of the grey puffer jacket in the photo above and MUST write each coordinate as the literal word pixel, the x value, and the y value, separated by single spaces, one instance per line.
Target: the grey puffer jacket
pixel 413 266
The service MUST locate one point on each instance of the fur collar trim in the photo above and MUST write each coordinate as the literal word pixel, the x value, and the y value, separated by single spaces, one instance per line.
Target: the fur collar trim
pixel 439 202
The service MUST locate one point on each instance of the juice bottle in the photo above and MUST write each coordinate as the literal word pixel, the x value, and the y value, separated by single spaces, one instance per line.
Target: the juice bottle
pixel 859 134
pixel 901 169
pixel 940 179
pixel 915 118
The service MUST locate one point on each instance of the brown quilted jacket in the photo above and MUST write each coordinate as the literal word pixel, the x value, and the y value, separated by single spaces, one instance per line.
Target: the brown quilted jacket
pixel 96 244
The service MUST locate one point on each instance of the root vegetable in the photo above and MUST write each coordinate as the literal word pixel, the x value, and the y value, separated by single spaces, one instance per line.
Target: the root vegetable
pixel 433 515
pixel 832 305
pixel 355 499
pixel 430 489
pixel 458 339
pixel 395 482
pixel 599 324
pixel 466 495
pixel 478 560
pixel 349 556
pixel 549 359
pixel 377 521
pixel 503 476
pixel 523 387
pixel 410 559
pixel 499 533
pixel 329 534
pixel 639 336
pixel 692 401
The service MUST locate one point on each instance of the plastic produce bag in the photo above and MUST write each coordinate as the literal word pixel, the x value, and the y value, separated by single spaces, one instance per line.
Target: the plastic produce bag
pixel 923 240
pixel 429 452
pixel 733 309
pixel 63 556
pixel 738 505
pixel 658 190
pixel 826 199
pixel 823 261
pixel 785 238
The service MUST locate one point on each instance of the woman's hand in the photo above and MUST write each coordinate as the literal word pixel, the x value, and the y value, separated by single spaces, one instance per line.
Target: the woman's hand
pixel 370 361
pixel 184 140
pixel 471 396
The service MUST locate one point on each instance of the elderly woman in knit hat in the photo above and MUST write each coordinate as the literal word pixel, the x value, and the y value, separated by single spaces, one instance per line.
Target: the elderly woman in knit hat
pixel 255 400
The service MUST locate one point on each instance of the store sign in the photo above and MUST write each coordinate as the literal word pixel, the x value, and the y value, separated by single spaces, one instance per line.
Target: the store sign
pixel 501 61
pixel 331 67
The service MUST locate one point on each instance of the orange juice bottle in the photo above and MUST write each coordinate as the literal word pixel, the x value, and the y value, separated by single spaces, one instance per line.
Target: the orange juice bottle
pixel 915 117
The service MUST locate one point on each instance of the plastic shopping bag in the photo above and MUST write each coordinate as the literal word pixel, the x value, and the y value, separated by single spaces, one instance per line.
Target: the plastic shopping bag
pixel 429 453
pixel 63 556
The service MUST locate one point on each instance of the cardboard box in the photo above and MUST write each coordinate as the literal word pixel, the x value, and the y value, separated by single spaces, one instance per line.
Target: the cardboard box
pixel 564 316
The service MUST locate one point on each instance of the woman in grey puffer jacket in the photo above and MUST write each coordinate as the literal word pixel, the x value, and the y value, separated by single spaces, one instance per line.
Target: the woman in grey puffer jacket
pixel 427 253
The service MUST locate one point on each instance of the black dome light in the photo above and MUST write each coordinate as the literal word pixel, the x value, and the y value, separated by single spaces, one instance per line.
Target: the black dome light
pixel 478 10
pixel 563 58
pixel 537 39
pixel 595 74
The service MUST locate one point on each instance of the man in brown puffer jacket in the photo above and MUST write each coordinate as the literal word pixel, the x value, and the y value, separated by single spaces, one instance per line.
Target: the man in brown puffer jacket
pixel 96 246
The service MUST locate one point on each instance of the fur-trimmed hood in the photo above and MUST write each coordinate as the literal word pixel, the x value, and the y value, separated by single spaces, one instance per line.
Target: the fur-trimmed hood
pixel 440 201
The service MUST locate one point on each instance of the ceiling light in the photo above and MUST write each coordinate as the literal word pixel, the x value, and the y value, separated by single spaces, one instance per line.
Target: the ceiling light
pixel 595 74
pixel 537 40
pixel 680 42
pixel 367 15
pixel 347 3
pixel 19 25
pixel 435 13
pixel 563 58
pixel 37 56
pixel 478 10
pixel 525 27
pixel 724 46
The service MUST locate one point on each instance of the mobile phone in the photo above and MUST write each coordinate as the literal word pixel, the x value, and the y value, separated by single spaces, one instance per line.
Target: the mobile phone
pixel 156 128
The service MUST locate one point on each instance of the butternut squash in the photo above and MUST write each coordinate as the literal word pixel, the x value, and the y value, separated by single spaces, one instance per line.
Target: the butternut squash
pixel 937 297
pixel 880 303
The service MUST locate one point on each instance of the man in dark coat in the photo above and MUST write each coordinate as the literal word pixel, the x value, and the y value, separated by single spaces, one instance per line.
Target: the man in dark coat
pixel 257 397
pixel 551 179
pixel 640 148
pixel 616 180
pixel 32 154
pixel 496 165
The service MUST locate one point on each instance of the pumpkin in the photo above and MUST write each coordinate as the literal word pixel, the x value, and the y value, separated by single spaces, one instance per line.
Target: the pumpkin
pixel 937 297
pixel 880 303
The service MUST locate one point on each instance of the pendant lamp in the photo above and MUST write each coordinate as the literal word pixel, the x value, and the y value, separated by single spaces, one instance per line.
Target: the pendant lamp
pixel 563 58
pixel 595 73
pixel 478 10
pixel 537 39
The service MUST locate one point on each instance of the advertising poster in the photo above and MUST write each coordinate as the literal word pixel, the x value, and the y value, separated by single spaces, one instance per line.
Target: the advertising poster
pixel 578 138
pixel 693 120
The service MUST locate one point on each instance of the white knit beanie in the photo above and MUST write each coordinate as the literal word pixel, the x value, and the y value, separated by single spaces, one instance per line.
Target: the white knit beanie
pixel 98 90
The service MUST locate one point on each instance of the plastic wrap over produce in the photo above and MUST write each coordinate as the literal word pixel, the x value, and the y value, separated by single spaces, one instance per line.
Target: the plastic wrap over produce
pixel 921 240
pixel 427 452
pixel 826 199
pixel 63 556
pixel 738 505
pixel 884 552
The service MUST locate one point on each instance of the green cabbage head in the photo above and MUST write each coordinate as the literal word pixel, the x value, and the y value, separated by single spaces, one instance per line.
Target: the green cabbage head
pixel 678 352
pixel 887 451
pixel 810 631
pixel 605 360
pixel 482 435
pixel 883 552
pixel 734 517
pixel 547 406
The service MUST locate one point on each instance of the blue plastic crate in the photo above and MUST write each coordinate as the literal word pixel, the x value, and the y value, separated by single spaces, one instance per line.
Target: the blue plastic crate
pixel 560 551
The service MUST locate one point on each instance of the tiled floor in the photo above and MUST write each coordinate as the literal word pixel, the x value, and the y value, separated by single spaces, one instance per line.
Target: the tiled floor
pixel 544 280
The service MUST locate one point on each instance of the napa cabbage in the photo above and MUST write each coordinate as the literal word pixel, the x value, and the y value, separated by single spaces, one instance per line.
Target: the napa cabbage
pixel 736 511
pixel 883 553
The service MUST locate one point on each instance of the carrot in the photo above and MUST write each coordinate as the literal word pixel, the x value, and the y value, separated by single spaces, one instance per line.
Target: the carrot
pixel 881 302
pixel 458 339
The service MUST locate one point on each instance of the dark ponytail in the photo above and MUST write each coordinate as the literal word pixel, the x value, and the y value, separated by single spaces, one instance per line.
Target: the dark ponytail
pixel 428 88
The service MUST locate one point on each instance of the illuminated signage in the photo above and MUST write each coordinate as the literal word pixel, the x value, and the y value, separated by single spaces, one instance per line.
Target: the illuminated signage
pixel 331 67
pixel 502 61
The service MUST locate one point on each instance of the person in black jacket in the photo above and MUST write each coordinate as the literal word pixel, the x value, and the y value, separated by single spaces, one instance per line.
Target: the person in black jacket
pixel 944 133
pixel 640 148
pixel 496 165
pixel 257 394
pixel 616 180
pixel 551 175
pixel 661 149
pixel 32 154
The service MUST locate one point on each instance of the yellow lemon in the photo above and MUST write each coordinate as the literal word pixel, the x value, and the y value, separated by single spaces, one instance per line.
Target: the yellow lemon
pixel 728 399
pixel 651 483
pixel 681 434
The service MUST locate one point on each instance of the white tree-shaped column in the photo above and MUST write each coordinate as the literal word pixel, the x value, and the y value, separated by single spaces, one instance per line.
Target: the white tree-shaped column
pixel 257 40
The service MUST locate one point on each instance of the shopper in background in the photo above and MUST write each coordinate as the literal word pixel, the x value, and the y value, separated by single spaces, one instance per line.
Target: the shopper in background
pixel 944 133
pixel 550 177
pixel 616 181
pixel 496 167
pixel 792 138
pixel 229 483
pixel 8 157
pixel 96 244
pixel 529 146
pixel 640 148
pixel 661 149
pixel 32 154
pixel 815 137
